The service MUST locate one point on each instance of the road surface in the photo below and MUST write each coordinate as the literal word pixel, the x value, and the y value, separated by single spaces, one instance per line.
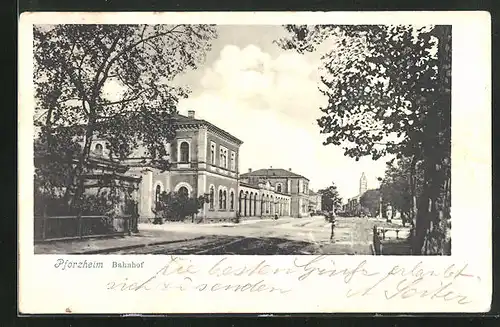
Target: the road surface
pixel 267 237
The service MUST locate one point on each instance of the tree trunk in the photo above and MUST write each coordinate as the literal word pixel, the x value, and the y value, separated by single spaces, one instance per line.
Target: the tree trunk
pixel 422 220
pixel 431 230
pixel 413 195
pixel 81 168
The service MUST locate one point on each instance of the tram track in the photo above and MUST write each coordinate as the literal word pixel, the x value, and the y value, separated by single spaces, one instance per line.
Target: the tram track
pixel 226 245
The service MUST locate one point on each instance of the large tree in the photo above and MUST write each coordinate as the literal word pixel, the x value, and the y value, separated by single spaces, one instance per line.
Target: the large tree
pixel 330 198
pixel 114 81
pixel 388 91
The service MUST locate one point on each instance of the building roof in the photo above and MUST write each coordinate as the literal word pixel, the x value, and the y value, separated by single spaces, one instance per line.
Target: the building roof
pixel 184 120
pixel 272 172
pixel 255 186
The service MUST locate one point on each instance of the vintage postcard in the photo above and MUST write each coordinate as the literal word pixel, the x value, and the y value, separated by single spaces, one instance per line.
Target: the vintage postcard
pixel 254 162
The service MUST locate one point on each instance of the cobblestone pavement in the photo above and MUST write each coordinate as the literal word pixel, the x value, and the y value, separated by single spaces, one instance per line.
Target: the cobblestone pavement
pixel 309 235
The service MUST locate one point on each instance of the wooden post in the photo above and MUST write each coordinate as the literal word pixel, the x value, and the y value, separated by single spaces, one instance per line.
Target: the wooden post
pixel 44 226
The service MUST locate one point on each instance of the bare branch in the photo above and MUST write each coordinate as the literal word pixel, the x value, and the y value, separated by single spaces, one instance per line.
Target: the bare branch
pixel 125 100
pixel 126 49
pixel 98 84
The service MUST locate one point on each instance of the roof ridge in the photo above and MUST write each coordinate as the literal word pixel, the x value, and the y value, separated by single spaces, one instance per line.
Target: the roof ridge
pixel 266 172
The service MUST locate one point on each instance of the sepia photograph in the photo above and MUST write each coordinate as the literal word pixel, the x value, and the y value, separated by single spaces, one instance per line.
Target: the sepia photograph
pixel 242 139
pixel 257 162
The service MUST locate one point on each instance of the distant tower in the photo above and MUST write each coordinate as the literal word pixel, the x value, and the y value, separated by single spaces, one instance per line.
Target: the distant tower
pixel 363 184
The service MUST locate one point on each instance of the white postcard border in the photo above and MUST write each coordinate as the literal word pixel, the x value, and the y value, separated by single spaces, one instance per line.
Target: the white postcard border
pixel 44 289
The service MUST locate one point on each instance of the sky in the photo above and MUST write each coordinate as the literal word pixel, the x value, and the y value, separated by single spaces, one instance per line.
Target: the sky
pixel 268 98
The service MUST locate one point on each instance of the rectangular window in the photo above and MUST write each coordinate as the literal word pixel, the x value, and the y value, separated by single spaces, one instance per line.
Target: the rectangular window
pixel 223 157
pixel 233 161
pixel 212 153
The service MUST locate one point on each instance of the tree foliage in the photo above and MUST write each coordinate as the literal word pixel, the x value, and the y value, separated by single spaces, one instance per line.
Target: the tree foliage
pixel 111 81
pixel 330 198
pixel 378 81
pixel 370 200
pixel 388 93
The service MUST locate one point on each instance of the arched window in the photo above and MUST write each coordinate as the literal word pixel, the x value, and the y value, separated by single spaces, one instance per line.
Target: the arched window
pixel 98 148
pixel 212 153
pixel 211 197
pixel 184 152
pixel 278 188
pixel 224 203
pixel 233 161
pixel 220 199
pixel 255 205
pixel 231 205
pixel 240 199
pixel 245 212
pixel 183 191
pixel 157 196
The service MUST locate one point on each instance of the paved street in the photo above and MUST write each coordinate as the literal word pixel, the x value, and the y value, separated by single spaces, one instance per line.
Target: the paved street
pixel 261 237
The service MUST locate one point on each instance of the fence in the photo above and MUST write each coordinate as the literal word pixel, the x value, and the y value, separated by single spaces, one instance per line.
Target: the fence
pixel 400 245
pixel 74 227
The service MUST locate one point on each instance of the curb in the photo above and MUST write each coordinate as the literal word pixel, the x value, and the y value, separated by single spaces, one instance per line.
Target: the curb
pixel 135 246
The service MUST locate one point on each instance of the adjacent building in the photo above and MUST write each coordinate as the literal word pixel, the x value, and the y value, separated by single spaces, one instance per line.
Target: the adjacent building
pixel 285 183
pixel 262 200
pixel 315 201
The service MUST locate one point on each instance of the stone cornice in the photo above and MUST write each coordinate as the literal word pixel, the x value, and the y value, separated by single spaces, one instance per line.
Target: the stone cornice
pixel 211 127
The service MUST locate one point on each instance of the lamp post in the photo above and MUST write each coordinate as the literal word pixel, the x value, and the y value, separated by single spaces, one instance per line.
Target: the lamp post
pixel 380 179
pixel 380 207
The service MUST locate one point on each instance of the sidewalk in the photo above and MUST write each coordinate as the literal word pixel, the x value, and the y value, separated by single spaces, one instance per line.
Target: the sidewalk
pixel 102 245
pixel 176 226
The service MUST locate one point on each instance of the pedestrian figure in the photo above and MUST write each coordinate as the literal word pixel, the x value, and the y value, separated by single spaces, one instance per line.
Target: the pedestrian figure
pixel 332 223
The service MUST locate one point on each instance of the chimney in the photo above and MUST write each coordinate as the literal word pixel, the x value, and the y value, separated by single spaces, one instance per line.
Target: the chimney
pixel 271 167
pixel 289 169
pixel 191 113
pixel 249 170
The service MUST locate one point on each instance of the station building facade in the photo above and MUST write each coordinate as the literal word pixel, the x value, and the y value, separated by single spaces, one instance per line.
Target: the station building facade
pixel 205 162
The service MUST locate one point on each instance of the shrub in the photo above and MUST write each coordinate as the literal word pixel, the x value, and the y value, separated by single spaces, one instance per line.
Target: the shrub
pixel 175 206
pixel 91 205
